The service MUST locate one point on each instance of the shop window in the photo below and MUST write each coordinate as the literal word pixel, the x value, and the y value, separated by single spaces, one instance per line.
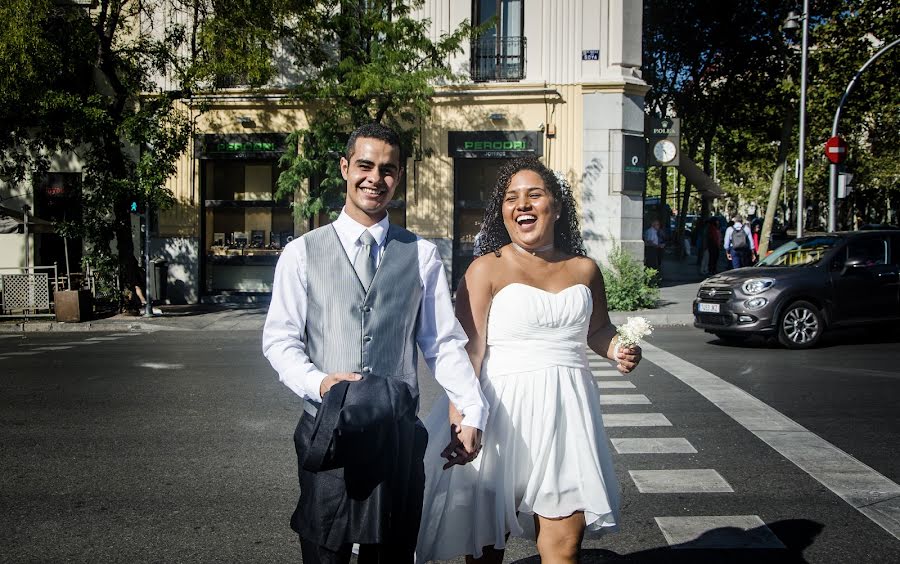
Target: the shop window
pixel 498 54
pixel 245 226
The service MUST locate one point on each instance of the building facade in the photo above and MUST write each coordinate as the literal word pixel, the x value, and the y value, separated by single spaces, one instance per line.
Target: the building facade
pixel 555 78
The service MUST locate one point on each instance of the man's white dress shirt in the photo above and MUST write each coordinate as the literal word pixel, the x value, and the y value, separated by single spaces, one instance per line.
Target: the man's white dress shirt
pixel 439 334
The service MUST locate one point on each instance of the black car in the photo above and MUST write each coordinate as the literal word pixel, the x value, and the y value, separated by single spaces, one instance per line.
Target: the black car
pixel 805 286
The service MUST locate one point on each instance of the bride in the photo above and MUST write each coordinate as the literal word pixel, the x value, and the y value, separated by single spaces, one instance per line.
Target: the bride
pixel 529 305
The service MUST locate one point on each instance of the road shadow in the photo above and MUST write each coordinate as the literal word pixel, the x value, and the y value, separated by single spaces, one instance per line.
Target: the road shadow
pixel 840 337
pixel 795 534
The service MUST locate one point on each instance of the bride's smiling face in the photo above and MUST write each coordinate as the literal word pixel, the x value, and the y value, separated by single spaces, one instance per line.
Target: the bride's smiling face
pixel 529 210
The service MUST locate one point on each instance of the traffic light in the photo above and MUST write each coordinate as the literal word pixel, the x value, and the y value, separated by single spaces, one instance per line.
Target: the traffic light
pixel 844 187
pixel 136 206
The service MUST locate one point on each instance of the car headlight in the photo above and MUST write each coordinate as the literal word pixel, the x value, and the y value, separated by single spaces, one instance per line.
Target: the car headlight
pixel 757 285
pixel 755 303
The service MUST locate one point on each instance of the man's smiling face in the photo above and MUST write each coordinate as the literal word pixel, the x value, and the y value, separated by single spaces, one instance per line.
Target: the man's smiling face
pixel 372 174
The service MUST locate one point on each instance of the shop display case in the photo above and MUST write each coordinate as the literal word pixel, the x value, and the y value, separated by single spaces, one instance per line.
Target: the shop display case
pixel 246 228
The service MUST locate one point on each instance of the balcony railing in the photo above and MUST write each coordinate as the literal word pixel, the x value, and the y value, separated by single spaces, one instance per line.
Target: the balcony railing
pixel 498 58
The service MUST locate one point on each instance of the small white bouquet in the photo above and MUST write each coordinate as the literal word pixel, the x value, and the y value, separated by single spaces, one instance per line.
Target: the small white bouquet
pixel 632 332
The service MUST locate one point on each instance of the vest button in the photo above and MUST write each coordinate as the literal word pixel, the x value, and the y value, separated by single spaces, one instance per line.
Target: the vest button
pixel 367 338
pixel 366 369
pixel 366 309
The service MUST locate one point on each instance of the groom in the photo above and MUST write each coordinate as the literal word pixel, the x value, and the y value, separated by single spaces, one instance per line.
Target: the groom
pixel 354 299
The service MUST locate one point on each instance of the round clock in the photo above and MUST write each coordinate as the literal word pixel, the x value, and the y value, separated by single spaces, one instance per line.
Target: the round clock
pixel 664 151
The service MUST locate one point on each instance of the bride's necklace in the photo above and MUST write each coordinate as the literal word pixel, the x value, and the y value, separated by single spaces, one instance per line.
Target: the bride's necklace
pixel 534 251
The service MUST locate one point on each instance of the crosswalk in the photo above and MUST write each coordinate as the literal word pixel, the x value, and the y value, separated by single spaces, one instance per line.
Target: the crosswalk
pixel 620 393
pixel 27 347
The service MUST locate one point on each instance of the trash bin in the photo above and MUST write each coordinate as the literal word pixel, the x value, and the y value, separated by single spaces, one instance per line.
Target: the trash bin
pixel 159 277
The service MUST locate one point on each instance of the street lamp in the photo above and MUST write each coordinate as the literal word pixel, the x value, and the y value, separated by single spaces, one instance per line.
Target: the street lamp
pixel 791 23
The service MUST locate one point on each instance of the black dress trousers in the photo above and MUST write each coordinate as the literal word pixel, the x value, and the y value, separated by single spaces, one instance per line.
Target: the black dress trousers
pixel 375 501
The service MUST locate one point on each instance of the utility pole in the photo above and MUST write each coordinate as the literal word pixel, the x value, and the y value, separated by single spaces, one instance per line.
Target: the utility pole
pixel 148 294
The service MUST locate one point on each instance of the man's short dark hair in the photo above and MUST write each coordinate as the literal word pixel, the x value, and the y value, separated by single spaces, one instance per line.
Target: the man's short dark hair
pixel 374 131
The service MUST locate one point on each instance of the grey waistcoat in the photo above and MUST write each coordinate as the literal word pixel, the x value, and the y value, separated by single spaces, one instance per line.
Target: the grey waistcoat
pixel 351 330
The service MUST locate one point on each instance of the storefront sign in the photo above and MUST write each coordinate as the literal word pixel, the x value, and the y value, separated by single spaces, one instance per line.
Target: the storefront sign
pixel 495 144
pixel 634 164
pixel 590 55
pixel 241 146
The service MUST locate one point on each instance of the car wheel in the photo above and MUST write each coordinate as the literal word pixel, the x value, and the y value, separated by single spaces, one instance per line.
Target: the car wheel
pixel 800 326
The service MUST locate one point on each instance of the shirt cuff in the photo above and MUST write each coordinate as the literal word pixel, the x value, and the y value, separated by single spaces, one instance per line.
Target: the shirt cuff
pixel 475 416
pixel 314 384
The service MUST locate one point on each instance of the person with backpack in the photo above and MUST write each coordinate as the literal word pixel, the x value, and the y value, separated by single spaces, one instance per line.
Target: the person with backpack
pixel 739 247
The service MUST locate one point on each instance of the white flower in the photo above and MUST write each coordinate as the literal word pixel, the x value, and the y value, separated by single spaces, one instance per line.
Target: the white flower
pixel 633 330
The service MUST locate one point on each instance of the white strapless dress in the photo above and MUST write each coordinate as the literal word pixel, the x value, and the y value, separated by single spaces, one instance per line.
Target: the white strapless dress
pixel 545 451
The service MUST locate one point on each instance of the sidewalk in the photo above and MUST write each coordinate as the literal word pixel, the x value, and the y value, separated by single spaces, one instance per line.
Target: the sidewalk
pixel 679 287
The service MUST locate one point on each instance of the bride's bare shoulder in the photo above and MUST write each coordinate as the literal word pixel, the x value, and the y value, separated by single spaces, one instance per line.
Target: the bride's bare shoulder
pixel 584 269
pixel 485 270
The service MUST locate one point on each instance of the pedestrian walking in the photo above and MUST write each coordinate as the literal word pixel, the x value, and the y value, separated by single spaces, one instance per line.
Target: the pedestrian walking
pixel 352 302
pixel 739 247
pixel 654 246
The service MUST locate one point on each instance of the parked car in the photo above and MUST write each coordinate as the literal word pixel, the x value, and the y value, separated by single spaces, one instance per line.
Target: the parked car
pixel 804 287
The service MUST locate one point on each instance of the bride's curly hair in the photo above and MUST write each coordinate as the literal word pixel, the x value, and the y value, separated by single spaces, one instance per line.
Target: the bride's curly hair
pixel 566 231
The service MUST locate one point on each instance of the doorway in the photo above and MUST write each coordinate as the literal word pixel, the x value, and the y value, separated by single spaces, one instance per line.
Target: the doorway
pixel 473 183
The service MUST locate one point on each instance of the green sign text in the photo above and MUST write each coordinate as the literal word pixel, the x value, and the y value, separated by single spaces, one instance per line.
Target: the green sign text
pixel 494 145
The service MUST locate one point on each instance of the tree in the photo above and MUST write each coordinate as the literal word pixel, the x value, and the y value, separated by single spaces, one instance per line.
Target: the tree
pixel 722 68
pixel 363 62
pixel 848 34
pixel 104 84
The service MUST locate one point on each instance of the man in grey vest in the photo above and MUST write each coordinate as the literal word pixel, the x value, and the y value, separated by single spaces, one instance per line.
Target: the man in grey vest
pixel 352 299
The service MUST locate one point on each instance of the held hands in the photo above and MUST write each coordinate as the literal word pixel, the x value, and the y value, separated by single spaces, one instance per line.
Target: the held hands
pixel 627 358
pixel 465 441
pixel 333 379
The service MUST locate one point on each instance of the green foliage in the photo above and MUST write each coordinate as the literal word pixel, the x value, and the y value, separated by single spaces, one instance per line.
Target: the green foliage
pixel 103 85
pixel 363 62
pixel 733 76
pixel 629 284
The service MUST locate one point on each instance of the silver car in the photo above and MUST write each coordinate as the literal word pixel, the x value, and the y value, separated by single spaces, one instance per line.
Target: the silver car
pixel 804 287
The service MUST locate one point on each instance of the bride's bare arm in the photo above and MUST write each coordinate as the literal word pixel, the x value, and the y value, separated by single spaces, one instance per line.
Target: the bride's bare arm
pixel 473 302
pixel 602 338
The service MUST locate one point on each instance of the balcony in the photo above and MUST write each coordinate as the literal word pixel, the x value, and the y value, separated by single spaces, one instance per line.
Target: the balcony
pixel 498 59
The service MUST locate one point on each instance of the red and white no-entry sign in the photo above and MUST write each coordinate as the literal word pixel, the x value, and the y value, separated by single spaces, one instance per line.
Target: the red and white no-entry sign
pixel 836 149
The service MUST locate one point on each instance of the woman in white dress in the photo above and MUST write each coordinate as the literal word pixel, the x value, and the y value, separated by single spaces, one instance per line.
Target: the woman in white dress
pixel 529 305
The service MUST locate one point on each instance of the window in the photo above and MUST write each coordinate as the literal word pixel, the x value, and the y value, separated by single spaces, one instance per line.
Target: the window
pixel 870 251
pixel 499 53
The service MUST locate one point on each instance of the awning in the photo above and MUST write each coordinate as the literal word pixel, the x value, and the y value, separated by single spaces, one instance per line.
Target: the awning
pixel 11 219
pixel 706 186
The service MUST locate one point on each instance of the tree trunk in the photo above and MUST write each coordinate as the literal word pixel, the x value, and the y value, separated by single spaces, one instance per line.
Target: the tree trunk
pixel 777 179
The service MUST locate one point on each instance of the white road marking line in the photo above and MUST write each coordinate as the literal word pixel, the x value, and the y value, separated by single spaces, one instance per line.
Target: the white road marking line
pixel 871 493
pixel 160 365
pixel 698 480
pixel 607 385
pixel 10 336
pixel 52 348
pixel 20 353
pixel 80 343
pixel 718 532
pixel 103 339
pixel 624 399
pixel 663 445
pixel 635 420
pixel 607 373
pixel 124 334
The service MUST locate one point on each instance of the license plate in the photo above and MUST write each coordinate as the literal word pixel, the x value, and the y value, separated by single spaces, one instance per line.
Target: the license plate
pixel 708 308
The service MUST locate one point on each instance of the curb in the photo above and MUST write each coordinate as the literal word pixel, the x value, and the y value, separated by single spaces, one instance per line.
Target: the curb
pixel 655 319
pixel 61 327
pixel 617 318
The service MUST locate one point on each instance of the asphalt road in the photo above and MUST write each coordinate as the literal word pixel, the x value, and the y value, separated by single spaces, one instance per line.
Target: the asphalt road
pixel 176 447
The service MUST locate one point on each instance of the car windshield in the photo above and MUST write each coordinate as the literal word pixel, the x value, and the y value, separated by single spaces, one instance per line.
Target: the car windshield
pixel 800 252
